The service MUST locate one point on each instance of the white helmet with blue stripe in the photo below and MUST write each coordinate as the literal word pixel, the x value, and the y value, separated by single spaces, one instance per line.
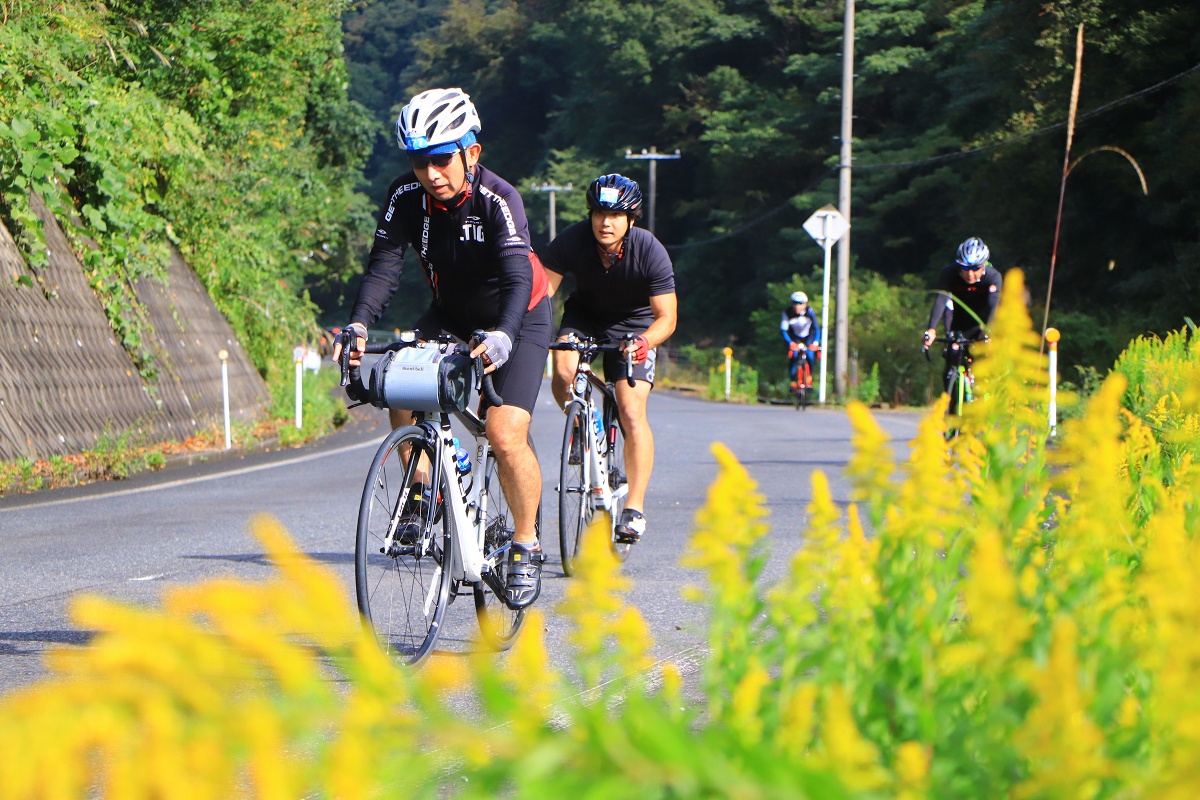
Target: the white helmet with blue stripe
pixel 438 121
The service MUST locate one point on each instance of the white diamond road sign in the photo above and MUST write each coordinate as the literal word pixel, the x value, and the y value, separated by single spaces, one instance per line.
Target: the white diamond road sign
pixel 826 221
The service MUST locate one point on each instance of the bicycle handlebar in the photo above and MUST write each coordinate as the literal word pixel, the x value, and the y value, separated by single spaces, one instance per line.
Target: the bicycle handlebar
pixel 358 392
pixel 951 337
pixel 588 347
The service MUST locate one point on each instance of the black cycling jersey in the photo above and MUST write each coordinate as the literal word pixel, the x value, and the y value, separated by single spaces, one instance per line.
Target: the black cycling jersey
pixel 616 295
pixel 476 255
pixel 981 298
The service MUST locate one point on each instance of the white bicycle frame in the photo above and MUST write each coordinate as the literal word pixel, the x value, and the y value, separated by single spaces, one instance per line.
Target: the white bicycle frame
pixel 467 510
pixel 595 464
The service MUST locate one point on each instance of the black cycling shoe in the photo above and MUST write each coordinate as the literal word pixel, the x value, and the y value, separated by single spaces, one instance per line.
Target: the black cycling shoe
pixel 575 456
pixel 523 583
pixel 416 511
pixel 630 526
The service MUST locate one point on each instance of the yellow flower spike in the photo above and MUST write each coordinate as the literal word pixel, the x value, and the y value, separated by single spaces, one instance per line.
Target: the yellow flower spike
pixel 727 526
pixel 846 751
pixel 911 767
pixel 1008 369
pixel 745 709
pixel 810 562
pixel 594 596
pixel 316 599
pixel 1063 747
pixel 633 639
pixel 871 463
pixel 271 771
pixel 444 674
pixel 997 621
pixel 528 666
pixel 796 720
pixel 921 514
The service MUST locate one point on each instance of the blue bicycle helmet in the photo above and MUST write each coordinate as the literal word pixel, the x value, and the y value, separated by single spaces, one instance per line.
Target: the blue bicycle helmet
pixel 973 254
pixel 615 193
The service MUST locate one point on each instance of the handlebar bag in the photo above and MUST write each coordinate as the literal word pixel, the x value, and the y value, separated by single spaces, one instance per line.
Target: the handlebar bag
pixel 422 378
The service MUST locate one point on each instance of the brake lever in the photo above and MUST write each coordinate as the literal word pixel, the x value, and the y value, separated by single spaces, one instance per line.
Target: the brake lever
pixel 629 337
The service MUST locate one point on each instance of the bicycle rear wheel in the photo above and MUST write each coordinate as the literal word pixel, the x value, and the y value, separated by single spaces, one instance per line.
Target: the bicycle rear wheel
pixel 616 474
pixel 403 581
pixel 574 504
pixel 499 625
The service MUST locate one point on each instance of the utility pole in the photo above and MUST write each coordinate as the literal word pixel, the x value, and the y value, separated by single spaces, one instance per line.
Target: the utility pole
pixel 842 321
pixel 653 156
pixel 553 189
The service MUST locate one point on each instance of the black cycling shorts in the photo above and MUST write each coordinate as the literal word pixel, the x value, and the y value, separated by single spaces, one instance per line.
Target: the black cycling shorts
pixel 579 323
pixel 519 380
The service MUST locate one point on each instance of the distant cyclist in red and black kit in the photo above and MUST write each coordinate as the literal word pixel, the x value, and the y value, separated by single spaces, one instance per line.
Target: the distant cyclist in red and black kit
pixel 624 284
pixel 469 230
pixel 968 293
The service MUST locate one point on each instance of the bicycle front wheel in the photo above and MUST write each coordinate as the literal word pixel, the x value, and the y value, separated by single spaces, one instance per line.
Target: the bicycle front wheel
pixel 617 480
pixel 574 506
pixel 403 555
pixel 499 625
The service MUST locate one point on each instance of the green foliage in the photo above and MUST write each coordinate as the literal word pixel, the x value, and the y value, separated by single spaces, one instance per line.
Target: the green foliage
pixel 867 390
pixel 323 405
pixel 743 387
pixel 220 129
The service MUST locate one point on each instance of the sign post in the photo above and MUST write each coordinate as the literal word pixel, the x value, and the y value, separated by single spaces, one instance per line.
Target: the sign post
pixel 826 226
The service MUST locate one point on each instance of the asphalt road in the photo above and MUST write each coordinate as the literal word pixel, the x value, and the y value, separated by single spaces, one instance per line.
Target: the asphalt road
pixel 130 539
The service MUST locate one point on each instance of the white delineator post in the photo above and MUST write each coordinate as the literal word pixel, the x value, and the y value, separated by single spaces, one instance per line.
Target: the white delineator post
pixel 1052 337
pixel 224 356
pixel 298 353
pixel 728 370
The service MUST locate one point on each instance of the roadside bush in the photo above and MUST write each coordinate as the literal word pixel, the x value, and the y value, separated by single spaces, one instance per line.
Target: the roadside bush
pixel 972 624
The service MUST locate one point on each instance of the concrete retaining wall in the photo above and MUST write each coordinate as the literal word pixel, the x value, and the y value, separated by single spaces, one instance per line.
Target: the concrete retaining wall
pixel 64 377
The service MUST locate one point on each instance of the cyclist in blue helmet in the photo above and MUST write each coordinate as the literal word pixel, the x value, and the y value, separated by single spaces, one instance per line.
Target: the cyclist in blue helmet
pixel 624 284
pixel 471 237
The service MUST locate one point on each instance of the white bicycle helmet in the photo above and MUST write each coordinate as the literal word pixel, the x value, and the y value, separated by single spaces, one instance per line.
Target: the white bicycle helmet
pixel 438 121
pixel 973 253
pixel 799 297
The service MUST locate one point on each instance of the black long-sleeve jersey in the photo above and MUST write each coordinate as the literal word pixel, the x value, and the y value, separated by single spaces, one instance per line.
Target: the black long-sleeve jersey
pixel 981 298
pixel 475 255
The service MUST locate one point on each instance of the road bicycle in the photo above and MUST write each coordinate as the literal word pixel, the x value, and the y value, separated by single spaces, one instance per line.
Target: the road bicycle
pixel 959 381
pixel 433 523
pixel 591 476
pixel 802 387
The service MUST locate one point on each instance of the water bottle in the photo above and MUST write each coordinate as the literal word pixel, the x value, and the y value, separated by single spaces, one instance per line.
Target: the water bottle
pixel 462 459
pixel 601 440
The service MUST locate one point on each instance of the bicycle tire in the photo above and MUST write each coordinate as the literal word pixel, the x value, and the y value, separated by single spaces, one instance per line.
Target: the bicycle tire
pixel 499 625
pixel 574 504
pixel 616 474
pixel 402 595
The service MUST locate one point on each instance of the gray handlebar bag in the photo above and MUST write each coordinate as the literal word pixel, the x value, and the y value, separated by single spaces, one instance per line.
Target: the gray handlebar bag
pixel 422 378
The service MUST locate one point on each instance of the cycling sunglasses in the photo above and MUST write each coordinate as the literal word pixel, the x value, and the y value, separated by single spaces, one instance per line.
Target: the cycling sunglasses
pixel 441 160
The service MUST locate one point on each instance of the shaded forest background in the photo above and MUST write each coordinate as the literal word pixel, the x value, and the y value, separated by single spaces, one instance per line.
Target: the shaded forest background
pixel 959 131
pixel 258 139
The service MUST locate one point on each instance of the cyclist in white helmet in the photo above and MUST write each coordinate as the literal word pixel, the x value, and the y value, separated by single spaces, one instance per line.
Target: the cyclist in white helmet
pixel 968 293
pixel 799 328
pixel 471 236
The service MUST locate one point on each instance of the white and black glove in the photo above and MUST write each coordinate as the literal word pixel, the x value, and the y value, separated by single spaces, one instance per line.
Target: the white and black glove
pixel 496 347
